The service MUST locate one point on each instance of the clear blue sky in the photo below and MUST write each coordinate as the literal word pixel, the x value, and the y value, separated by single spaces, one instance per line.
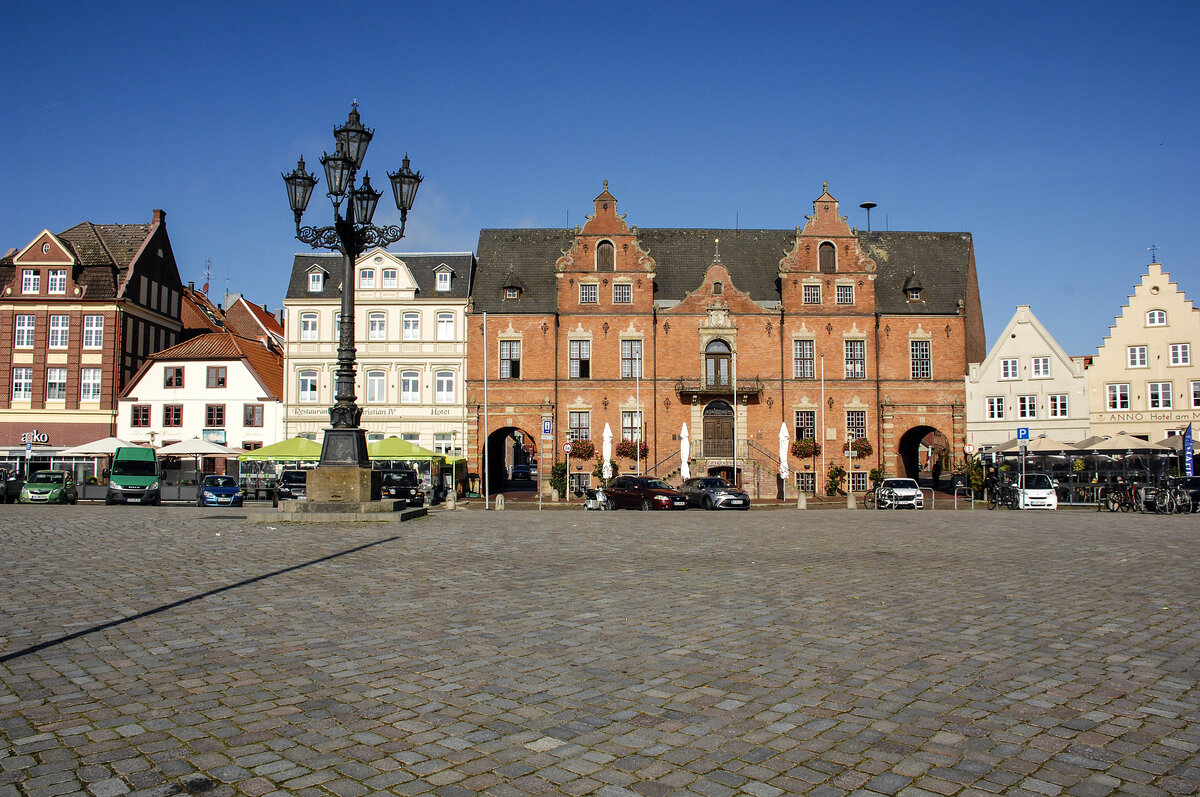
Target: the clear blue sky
pixel 1062 135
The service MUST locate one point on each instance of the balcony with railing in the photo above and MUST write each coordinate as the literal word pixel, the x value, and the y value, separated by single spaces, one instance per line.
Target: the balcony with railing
pixel 720 386
pixel 718 449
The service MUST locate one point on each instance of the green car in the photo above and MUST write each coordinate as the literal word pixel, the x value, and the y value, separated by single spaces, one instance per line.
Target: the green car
pixel 49 487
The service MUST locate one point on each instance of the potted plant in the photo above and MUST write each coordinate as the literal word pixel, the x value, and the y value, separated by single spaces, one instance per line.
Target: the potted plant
pixel 582 449
pixel 630 449
pixel 835 478
pixel 861 447
pixel 805 447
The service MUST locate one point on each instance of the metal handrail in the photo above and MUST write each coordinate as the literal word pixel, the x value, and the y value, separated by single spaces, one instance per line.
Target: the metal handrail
pixel 653 468
pixel 961 488
pixel 931 496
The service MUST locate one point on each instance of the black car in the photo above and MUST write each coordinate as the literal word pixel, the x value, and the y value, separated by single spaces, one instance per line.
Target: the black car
pixel 10 486
pixel 713 492
pixel 521 472
pixel 402 483
pixel 293 484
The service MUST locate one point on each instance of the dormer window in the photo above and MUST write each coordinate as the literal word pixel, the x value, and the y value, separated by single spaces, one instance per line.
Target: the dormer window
pixel 31 281
pixel 718 289
pixel 512 293
pixel 366 278
pixel 443 280
pixel 606 256
pixel 315 280
pixel 914 294
pixel 827 258
pixel 389 278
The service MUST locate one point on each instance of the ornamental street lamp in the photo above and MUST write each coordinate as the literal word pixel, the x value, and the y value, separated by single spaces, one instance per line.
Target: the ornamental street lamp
pixel 346 443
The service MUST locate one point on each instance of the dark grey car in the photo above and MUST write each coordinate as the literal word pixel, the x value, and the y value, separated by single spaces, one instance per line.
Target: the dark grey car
pixel 713 492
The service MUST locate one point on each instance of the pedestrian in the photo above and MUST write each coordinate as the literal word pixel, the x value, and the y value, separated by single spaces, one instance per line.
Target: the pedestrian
pixel 936 472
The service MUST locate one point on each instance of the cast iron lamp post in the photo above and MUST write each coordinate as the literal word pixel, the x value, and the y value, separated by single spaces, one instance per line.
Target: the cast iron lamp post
pixel 346 442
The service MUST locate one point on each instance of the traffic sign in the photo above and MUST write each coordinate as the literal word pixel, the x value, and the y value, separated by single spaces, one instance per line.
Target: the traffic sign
pixel 547 429
pixel 969 449
pixel 566 448
pixel 1022 432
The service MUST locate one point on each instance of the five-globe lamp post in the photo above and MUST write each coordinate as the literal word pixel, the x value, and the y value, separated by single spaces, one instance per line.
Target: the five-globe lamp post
pixel 345 442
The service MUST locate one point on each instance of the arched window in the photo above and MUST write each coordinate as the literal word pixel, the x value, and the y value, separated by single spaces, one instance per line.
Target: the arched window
pixel 718 289
pixel 1156 318
pixel 716 364
pixel 606 256
pixel 827 258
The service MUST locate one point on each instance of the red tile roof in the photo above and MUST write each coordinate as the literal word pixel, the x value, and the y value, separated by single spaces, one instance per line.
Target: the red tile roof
pixel 266 363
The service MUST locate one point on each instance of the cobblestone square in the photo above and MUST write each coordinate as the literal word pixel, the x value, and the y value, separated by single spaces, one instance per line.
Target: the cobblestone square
pixel 152 651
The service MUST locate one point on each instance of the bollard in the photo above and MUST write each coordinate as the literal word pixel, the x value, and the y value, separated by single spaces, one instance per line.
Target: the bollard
pixel 850 502
pixel 554 494
pixel 802 501
pixel 500 503
pixel 451 500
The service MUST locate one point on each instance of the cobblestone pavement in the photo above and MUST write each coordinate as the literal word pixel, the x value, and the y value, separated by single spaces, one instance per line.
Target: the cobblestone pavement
pixel 148 651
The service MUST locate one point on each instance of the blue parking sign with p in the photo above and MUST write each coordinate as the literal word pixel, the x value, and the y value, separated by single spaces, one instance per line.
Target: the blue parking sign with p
pixel 1023 433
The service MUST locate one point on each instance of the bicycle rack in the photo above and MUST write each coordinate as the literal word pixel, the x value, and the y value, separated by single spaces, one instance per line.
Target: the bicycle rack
pixel 963 489
pixel 930 505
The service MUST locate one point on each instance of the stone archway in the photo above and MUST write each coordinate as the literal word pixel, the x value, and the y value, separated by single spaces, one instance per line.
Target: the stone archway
pixel 507 447
pixel 916 444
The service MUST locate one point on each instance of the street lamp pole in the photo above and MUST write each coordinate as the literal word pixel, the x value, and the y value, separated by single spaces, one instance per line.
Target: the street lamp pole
pixel 345 442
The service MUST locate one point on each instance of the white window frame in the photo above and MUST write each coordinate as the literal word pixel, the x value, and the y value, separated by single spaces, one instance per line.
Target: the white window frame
pixel 60 332
pixel 1027 407
pixel 366 278
pixel 24 331
pixel 56 384
pixel 578 353
pixel 1039 368
pixel 412 326
pixel 995 408
pixel 93 332
pixel 306 387
pixel 632 424
pixel 856 358
pixel 1010 368
pixel 56 280
pixel 1156 318
pixel 389 278
pixel 1058 405
pixel 1181 354
pixel 31 281
pixel 443 443
pixel 920 354
pixel 858 481
pixel 804 367
pixel 510 352
pixel 443 281
pixel 377 326
pixel 410 387
pixel 376 387
pixel 589 293
pixel 310 327
pixel 1159 396
pixel 443 387
pixel 1196 395
pixel 22 384
pixel 856 430
pixel 1116 396
pixel 631 358
pixel 89 384
pixel 843 294
pixel 315 281
pixel 1135 357
pixel 445 326
pixel 579 425
pixel 811 293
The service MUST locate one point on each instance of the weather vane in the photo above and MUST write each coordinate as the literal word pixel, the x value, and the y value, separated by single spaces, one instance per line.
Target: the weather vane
pixel 1153 250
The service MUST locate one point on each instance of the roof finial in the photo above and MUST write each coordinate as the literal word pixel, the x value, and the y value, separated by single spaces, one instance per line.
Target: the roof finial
pixel 825 186
pixel 1153 250
pixel 606 185
pixel 716 250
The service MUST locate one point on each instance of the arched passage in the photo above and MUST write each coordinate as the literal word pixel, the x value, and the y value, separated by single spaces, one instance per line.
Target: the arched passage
pixel 916 447
pixel 509 448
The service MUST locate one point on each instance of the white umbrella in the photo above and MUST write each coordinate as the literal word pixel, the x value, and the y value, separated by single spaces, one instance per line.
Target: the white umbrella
pixel 685 450
pixel 107 446
pixel 196 448
pixel 606 452
pixel 783 451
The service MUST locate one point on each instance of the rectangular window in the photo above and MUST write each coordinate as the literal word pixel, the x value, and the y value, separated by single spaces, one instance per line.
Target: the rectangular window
pixel 1008 369
pixel 22 383
pixel 1196 395
pixel 308 386
pixel 1181 354
pixel 622 293
pixel 139 415
pixel 1026 406
pixel 24 331
pixel 803 360
pixel 56 383
pixel 1041 367
pixel 252 445
pixel 216 376
pixel 510 359
pixel 856 359
pixel 581 359
pixel 858 481
pixel 172 377
pixel 314 281
pixel 410 437
pixel 366 278
pixel 589 293
pixel 443 443
pixel 1137 356
pixel 214 415
pixel 31 282
pixel 443 281
pixel 631 359
pixel 919 359
pixel 376 326
pixel 995 408
pixel 579 425
pixel 56 280
pixel 445 326
pixel 412 326
pixel 308 326
pixel 1160 395
pixel 806 424
pixel 856 425
pixel 1118 397
pixel 376 387
pixel 631 425
pixel 844 294
pixel 410 387
pixel 389 278
pixel 443 387
pixel 60 331
pixel 252 415
pixel 1058 405
pixel 89 384
pixel 806 482
pixel 172 415
pixel 93 331
pixel 812 294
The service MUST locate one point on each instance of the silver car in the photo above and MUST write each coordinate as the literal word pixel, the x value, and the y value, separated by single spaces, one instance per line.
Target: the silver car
pixel 896 493
pixel 713 492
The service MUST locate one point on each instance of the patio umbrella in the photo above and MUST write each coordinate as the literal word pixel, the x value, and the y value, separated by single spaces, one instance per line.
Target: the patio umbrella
pixel 1038 445
pixel 107 446
pixel 685 451
pixel 783 450
pixel 606 452
pixel 197 448
pixel 1124 442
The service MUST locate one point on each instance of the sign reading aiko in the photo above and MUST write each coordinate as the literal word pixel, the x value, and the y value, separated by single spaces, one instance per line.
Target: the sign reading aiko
pixel 35 437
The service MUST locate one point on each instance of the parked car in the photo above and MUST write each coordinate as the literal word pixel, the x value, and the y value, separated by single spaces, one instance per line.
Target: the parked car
pixel 293 484
pixel 1036 492
pixel 713 492
pixel 10 486
pixel 897 493
pixel 219 491
pixel 402 483
pixel 643 492
pixel 49 487
pixel 134 477
pixel 520 472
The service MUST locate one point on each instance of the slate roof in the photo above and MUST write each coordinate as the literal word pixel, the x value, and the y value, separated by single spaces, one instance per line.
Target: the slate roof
pixel 421 264
pixel 527 256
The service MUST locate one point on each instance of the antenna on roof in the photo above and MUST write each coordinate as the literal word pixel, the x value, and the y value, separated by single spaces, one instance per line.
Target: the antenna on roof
pixel 207 273
pixel 867 207
pixel 737 221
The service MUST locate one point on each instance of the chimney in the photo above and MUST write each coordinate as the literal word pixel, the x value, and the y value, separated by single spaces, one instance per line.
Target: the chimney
pixel 160 216
pixel 191 285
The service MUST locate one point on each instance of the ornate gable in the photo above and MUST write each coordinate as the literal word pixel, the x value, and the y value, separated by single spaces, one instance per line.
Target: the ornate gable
pixel 605 243
pixel 826 244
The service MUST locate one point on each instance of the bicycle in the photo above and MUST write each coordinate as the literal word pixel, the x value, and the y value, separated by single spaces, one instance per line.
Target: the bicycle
pixel 1170 499
pixel 1002 494
pixel 1121 497
pixel 880 498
